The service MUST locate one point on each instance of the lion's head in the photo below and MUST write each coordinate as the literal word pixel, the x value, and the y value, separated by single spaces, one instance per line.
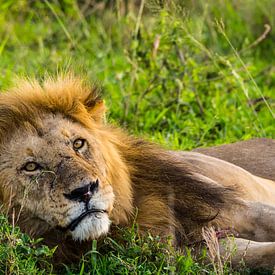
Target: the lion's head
pixel 59 167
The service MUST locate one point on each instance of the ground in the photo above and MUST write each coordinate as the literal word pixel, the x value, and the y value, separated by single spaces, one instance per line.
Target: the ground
pixel 183 75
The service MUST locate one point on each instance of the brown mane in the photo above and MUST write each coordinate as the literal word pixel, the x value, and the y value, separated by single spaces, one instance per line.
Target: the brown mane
pixel 28 100
pixel 169 195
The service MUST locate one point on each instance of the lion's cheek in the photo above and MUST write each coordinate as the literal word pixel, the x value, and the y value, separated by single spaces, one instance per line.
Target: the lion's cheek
pixel 110 208
pixel 30 212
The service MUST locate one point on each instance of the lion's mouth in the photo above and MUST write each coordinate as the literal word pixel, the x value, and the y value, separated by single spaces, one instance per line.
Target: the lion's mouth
pixel 74 223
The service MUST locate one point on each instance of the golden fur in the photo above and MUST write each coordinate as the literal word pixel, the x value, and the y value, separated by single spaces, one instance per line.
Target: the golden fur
pixel 175 192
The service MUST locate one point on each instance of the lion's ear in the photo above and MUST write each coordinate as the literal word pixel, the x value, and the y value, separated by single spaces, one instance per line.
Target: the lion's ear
pixel 95 106
pixel 98 111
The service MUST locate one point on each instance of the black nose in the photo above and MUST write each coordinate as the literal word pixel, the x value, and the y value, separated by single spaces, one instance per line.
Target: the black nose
pixel 83 194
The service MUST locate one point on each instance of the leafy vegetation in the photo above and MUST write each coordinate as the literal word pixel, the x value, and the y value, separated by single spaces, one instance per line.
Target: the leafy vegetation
pixel 19 254
pixel 182 73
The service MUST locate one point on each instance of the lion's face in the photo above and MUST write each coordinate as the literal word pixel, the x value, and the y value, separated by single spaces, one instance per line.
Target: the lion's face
pixel 58 174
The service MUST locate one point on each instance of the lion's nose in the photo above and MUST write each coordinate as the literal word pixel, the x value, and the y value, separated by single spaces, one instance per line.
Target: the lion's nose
pixel 83 194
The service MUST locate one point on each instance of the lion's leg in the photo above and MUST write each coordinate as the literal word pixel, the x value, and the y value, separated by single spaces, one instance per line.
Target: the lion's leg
pixel 254 221
pixel 253 254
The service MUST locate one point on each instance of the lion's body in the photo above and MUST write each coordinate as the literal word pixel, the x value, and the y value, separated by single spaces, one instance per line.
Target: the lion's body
pixel 68 175
pixel 253 188
pixel 257 156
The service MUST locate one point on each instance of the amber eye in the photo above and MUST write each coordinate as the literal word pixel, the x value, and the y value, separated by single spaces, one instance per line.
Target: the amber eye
pixel 31 166
pixel 78 143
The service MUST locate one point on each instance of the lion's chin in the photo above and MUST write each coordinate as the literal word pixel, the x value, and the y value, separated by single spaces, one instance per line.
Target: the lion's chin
pixel 91 227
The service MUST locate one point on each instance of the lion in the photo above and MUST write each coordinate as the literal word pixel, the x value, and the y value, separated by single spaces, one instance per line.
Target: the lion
pixel 70 177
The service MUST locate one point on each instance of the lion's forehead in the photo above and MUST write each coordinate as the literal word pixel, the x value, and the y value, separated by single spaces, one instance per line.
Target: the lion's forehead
pixel 53 134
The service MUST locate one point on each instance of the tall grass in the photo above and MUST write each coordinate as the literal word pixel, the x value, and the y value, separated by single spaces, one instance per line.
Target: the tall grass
pixel 182 73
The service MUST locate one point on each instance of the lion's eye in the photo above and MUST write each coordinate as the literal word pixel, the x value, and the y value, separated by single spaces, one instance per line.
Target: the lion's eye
pixel 31 166
pixel 78 143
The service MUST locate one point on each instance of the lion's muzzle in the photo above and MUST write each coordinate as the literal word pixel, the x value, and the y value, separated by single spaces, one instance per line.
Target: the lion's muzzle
pixel 83 194
pixel 88 214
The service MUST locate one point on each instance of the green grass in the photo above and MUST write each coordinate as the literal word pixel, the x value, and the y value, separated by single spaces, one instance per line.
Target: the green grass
pixel 184 75
pixel 19 254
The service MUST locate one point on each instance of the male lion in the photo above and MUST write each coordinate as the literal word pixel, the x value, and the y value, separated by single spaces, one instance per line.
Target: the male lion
pixel 66 175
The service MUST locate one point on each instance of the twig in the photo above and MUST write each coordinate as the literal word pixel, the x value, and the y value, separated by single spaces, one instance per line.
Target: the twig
pixel 141 7
pixel 259 39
